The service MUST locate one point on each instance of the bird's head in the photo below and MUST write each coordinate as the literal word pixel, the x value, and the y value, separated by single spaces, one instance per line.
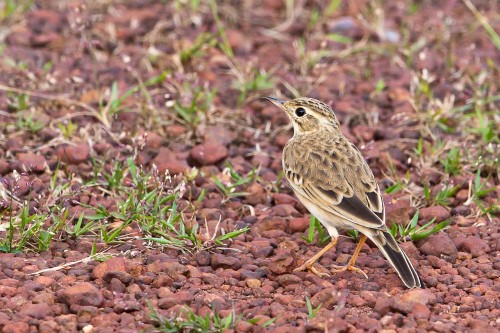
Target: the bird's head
pixel 307 114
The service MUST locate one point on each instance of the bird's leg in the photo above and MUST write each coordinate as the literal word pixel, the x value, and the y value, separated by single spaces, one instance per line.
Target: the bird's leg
pixel 352 261
pixel 309 263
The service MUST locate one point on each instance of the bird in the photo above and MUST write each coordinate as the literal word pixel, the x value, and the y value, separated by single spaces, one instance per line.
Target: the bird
pixel 331 178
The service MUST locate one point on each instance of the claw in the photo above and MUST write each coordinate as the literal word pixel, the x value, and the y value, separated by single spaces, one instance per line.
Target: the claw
pixel 310 267
pixel 339 269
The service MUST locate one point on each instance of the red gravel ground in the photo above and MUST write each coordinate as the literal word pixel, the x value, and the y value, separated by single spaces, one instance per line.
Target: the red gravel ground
pixel 98 99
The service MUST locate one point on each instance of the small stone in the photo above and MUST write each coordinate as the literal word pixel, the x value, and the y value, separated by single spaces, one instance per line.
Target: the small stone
pixel 45 281
pixel 298 224
pixel 219 135
pixel 327 297
pixel 168 160
pixel 270 223
pixel 180 297
pixel 288 279
pixel 222 261
pixel 11 262
pixel 283 262
pixel 475 246
pixel 16 327
pixel 284 210
pixel 37 311
pixel 404 303
pixel 420 311
pixel 73 154
pixel 441 246
pixel 202 258
pixel 208 153
pixel 253 283
pixel 260 248
pixel 461 211
pixel 174 270
pixel 257 194
pixel 211 214
pixel 115 264
pixel 283 198
pixel 383 305
pixel 123 277
pixel 438 212
pixel 153 140
pixel 48 326
pixel 397 210
pixel 31 162
pixel 81 294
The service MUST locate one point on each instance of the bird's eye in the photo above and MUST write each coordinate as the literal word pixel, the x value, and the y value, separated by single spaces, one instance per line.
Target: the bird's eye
pixel 300 112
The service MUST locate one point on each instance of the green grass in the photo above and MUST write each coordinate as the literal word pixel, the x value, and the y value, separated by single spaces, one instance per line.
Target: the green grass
pixel 114 104
pixel 231 189
pixel 312 312
pixel 13 8
pixel 316 231
pixel 145 202
pixel 198 109
pixel 188 321
pixel 414 232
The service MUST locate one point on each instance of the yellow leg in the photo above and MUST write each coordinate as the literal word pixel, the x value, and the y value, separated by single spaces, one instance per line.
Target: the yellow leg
pixel 308 265
pixel 352 261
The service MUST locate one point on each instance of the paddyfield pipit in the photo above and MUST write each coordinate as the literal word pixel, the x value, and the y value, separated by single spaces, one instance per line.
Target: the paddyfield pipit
pixel 332 179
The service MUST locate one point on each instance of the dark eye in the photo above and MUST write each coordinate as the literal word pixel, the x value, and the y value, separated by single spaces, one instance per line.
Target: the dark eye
pixel 300 112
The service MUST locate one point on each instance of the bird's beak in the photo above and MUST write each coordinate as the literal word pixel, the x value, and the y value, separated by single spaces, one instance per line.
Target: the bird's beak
pixel 276 101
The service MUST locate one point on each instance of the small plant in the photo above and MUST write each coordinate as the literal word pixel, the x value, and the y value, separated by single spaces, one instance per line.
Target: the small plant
pixel 478 190
pixel 203 41
pixel 258 80
pixel 197 110
pixel 452 164
pixel 9 8
pixel 29 124
pixel 442 198
pixel 229 189
pixel 354 234
pixel 316 231
pixel 311 312
pixel 415 233
pixel 152 204
pixel 188 321
pixel 114 103
pixel 18 102
pixel 68 130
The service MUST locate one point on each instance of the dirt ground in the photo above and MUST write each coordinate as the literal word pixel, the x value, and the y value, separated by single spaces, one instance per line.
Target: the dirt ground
pixel 141 182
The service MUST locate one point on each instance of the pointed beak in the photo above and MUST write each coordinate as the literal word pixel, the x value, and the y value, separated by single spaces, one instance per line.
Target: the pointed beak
pixel 278 102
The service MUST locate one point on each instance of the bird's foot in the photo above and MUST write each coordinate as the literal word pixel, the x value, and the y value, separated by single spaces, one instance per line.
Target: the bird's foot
pixel 348 267
pixel 313 268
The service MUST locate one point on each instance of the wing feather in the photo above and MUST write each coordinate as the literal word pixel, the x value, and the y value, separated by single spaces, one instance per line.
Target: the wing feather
pixel 337 181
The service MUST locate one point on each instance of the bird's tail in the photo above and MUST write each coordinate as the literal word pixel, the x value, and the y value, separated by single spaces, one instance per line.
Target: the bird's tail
pixel 396 256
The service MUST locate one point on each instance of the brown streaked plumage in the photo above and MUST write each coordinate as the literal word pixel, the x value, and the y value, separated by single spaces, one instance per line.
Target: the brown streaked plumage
pixel 332 179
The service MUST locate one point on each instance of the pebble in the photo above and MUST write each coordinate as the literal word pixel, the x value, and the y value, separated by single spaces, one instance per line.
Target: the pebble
pixel 475 246
pixel 298 224
pixel 16 327
pixel 438 212
pixel 439 245
pixel 404 302
pixel 31 162
pixel 74 154
pixel 168 160
pixel 208 153
pixel 222 261
pixel 37 311
pixel 81 294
